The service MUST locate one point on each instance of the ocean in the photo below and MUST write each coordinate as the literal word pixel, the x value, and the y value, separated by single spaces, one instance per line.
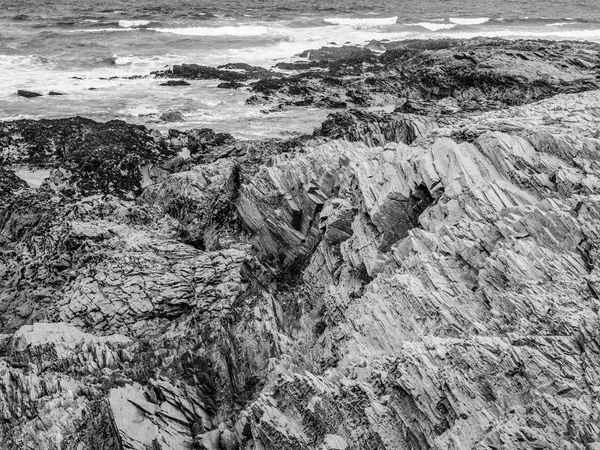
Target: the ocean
pixel 99 53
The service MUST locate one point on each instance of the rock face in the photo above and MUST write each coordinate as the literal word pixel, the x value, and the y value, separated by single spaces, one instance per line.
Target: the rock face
pixel 405 280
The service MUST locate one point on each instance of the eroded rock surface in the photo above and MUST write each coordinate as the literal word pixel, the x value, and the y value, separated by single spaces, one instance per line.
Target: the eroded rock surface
pixel 405 280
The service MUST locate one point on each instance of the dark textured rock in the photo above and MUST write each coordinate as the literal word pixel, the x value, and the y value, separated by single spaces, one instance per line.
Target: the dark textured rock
pixel 173 116
pixel 230 85
pixel 175 83
pixel 375 128
pixel 9 182
pixel 337 53
pixel 397 280
pixel 442 76
pixel 231 73
pixel 28 94
pixel 89 157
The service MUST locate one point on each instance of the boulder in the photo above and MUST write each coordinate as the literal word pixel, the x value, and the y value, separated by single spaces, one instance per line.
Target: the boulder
pixel 28 94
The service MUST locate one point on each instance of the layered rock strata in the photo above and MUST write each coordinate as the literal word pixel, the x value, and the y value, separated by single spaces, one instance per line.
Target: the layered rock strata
pixel 404 280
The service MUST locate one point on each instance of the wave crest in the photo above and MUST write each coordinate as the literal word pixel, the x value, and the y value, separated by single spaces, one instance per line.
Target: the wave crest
pixel 472 21
pixel 434 26
pixel 379 21
pixel 133 23
pixel 250 30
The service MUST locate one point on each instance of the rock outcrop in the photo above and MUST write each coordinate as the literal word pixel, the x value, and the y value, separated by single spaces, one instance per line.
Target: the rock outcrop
pixel 435 77
pixel 88 157
pixel 419 279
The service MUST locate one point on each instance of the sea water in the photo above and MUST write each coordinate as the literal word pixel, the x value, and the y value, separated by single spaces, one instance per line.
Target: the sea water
pixel 100 53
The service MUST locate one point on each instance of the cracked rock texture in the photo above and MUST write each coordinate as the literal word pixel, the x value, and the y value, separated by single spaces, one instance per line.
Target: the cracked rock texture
pixel 404 280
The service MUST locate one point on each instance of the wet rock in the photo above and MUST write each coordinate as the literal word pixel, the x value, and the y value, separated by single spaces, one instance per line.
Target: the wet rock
pixel 230 85
pixel 337 53
pixel 477 74
pixel 89 157
pixel 231 73
pixel 28 94
pixel 175 83
pixel 173 116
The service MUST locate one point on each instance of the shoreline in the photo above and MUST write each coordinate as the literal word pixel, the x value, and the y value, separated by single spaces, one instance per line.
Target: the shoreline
pixel 420 277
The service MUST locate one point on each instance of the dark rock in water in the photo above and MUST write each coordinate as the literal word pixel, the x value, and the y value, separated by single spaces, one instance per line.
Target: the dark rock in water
pixel 337 53
pixel 175 83
pixel 173 116
pixel 198 72
pixel 256 100
pixel 269 85
pixel 28 94
pixel 375 46
pixel 230 85
pixel 56 93
pixel 233 72
pixel 248 70
pixel 302 65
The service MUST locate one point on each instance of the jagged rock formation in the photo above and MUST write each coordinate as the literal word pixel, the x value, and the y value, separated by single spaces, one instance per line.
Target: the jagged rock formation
pixel 395 281
pixel 438 77
pixel 375 129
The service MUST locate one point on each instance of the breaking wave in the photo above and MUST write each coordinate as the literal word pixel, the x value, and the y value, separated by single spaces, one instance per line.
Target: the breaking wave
pixel 371 21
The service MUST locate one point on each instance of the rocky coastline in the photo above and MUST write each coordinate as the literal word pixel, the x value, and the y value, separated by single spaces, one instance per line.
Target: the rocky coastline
pixel 422 278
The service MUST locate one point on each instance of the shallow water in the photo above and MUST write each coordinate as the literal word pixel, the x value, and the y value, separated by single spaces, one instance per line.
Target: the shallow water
pixel 84 49
pixel 33 177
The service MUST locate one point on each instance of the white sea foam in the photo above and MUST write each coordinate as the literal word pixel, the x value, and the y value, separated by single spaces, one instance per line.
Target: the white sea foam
pixel 133 23
pixel 559 24
pixel 473 21
pixel 249 30
pixel 34 178
pixel 122 60
pixel 434 26
pixel 140 111
pixel 15 60
pixel 91 20
pixel 380 21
